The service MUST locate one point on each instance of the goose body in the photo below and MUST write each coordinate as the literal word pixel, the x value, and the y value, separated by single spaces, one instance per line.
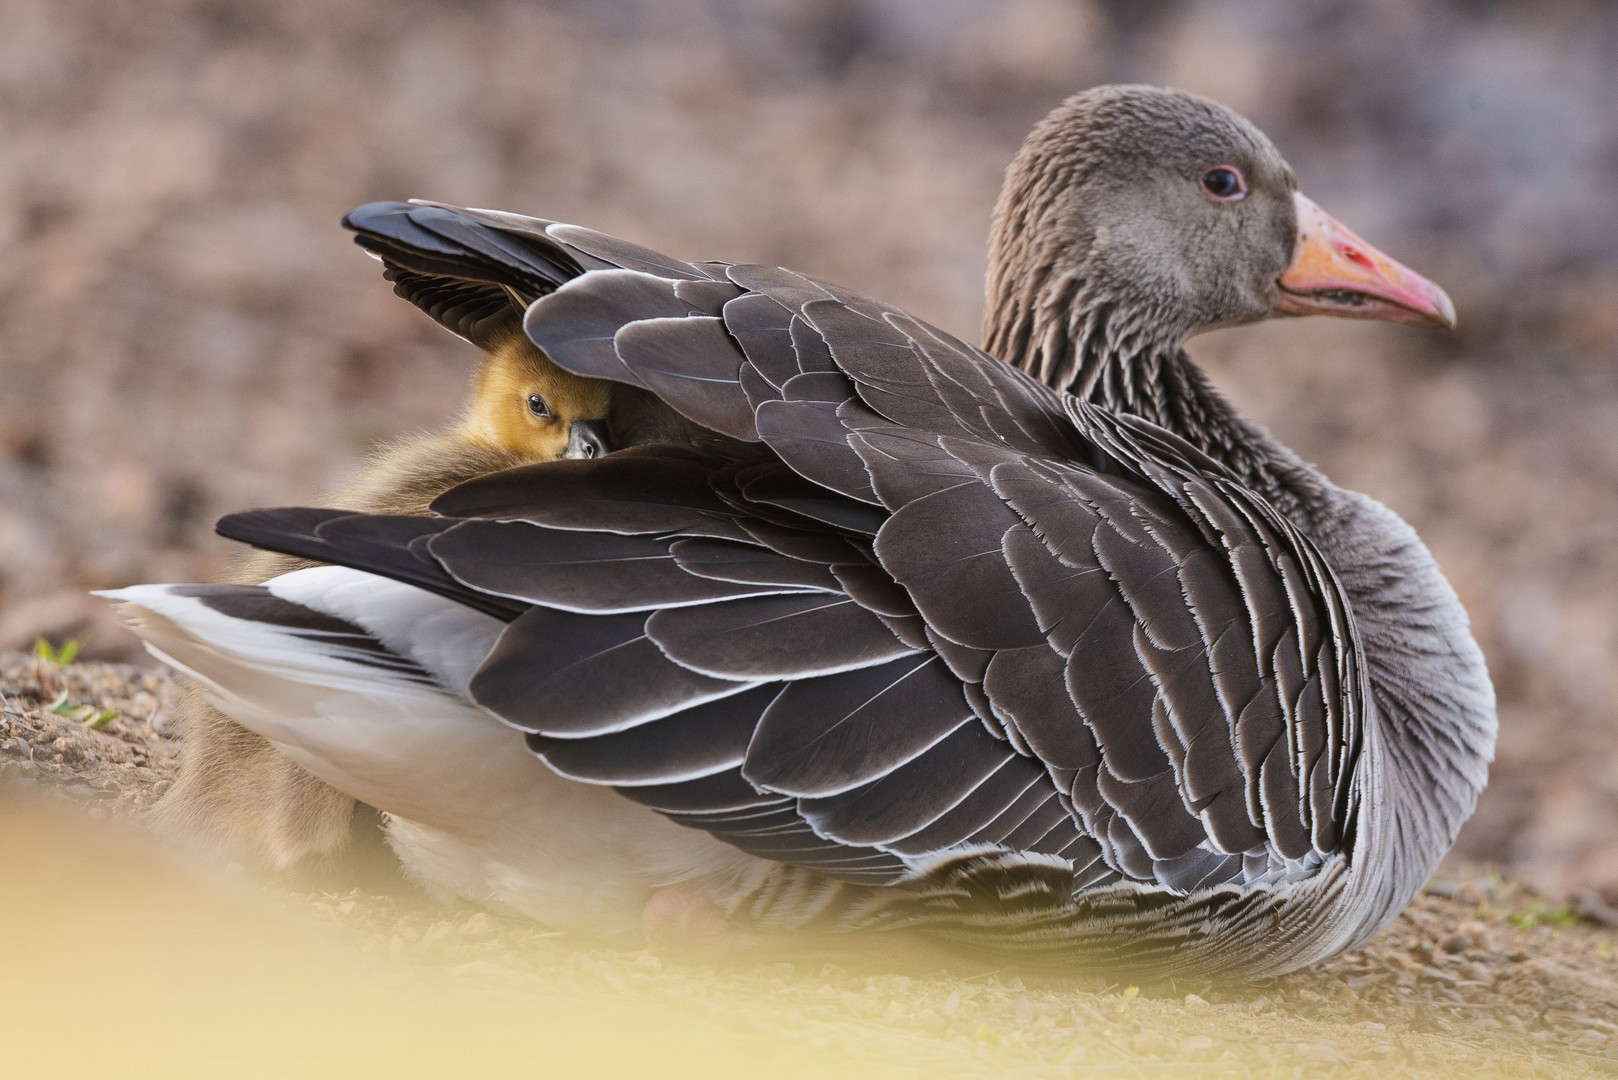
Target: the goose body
pixel 911 639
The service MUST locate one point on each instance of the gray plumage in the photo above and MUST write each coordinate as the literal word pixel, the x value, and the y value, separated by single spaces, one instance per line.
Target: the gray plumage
pixel 1068 660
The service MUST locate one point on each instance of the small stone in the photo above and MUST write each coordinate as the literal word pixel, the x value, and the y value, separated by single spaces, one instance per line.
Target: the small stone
pixel 1192 1001
pixel 1456 943
pixel 1196 1047
pixel 1149 1042
pixel 1321 1051
pixel 479 926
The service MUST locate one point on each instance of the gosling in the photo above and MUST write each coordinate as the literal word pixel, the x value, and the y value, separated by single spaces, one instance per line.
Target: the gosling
pixel 236 793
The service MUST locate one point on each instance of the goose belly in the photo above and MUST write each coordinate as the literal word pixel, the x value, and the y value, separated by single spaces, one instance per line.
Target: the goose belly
pixel 473 815
pixel 469 811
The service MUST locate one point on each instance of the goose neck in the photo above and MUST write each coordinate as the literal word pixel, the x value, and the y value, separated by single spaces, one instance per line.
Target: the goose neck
pixel 1080 339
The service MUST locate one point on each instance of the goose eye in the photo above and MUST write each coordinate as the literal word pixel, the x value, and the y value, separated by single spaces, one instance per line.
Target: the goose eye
pixel 1224 182
pixel 537 406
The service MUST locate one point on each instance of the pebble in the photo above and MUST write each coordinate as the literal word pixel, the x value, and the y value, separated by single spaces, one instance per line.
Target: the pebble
pixel 1456 943
pixel 1195 1047
pixel 1326 1052
pixel 1149 1042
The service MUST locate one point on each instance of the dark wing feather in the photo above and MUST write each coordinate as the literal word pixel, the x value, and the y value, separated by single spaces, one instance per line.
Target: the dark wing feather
pixel 827 735
pixel 775 637
pixel 388 546
pixel 577 571
pixel 566 675
pixel 696 743
pixel 724 560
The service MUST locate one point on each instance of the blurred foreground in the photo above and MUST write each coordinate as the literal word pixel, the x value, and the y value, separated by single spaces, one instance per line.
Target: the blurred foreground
pixel 185 331
pixel 162 972
pixel 120 958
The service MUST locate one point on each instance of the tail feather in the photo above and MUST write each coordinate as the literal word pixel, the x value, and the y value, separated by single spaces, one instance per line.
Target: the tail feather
pixel 359 680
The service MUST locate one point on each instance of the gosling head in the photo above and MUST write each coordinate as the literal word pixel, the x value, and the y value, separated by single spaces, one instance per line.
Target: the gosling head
pixel 1168 215
pixel 529 407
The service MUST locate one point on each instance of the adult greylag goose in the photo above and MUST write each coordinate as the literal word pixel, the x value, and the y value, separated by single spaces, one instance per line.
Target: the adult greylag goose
pixel 1087 668
pixel 237 792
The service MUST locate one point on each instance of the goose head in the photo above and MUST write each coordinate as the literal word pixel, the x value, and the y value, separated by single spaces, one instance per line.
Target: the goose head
pixel 1135 217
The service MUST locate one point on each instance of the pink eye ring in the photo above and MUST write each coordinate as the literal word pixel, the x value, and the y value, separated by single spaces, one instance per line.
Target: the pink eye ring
pixel 1224 183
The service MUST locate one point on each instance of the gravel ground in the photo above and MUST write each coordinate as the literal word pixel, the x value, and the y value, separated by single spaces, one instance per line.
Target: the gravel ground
pixel 1480 976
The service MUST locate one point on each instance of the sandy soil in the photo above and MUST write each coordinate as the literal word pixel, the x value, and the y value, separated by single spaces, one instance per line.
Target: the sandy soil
pixel 1480 977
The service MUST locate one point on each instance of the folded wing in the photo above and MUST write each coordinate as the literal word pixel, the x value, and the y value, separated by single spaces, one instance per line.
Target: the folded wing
pixel 913 607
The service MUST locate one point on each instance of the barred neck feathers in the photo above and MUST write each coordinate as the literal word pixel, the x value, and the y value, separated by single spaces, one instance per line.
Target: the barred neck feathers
pixel 1103 260
pixel 1124 355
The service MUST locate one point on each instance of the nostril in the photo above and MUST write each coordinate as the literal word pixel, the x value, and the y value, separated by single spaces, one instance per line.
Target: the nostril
pixel 1355 255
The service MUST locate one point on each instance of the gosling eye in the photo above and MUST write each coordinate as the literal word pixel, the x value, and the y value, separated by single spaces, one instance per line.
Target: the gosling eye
pixel 1224 183
pixel 538 407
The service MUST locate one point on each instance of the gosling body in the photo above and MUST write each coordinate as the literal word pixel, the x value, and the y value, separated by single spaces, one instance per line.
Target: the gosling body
pixel 236 792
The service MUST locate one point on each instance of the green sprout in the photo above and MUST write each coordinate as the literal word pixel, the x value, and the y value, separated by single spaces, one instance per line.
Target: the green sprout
pixel 88 715
pixel 61 655
pixel 1540 913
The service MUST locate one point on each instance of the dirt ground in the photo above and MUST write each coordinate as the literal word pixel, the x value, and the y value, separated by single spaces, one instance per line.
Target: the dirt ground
pixel 1480 976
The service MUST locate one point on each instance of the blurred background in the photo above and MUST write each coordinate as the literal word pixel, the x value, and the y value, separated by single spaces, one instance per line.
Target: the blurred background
pixel 184 330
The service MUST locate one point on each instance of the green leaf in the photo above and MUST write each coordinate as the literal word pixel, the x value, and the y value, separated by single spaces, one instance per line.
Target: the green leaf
pixel 101 719
pixel 60 655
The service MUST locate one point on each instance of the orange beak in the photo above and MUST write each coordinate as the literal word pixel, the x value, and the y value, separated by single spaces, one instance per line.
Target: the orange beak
pixel 1336 273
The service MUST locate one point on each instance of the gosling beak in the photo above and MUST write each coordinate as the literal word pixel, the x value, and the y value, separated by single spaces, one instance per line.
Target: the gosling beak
pixel 586 439
pixel 1336 273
